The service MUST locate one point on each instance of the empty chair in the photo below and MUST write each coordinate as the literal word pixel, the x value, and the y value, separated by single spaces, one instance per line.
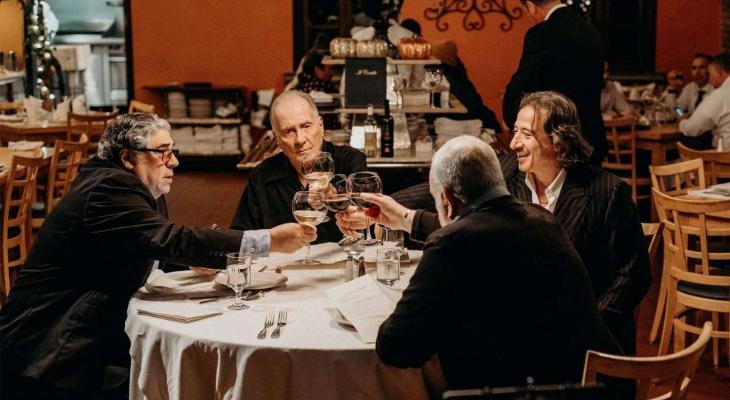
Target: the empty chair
pixel 91 125
pixel 679 367
pixel 699 276
pixel 717 163
pixel 16 207
pixel 621 157
pixel 265 148
pixel 138 106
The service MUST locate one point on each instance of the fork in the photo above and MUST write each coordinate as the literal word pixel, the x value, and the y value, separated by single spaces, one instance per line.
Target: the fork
pixel 281 322
pixel 269 322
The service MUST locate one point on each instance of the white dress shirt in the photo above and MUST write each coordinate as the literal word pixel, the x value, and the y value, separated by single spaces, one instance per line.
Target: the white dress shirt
pixel 552 192
pixel 552 10
pixel 688 97
pixel 712 114
pixel 613 99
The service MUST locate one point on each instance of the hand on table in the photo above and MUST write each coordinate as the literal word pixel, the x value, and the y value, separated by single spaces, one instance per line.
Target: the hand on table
pixel 287 238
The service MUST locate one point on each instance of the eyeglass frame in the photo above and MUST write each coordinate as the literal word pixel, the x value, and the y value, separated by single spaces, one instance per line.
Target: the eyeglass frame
pixel 171 152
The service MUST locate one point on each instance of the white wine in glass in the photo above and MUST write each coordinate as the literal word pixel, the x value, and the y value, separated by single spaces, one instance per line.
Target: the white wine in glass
pixel 308 209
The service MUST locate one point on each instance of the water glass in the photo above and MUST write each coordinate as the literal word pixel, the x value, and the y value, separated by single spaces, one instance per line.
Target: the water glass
pixel 388 266
pixel 238 269
pixel 393 238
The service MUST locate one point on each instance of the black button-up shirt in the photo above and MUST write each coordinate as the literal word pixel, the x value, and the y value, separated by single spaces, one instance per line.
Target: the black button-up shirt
pixel 266 201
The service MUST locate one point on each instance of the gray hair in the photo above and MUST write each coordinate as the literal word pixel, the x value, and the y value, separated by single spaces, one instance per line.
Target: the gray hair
pixel 466 167
pixel 285 95
pixel 559 118
pixel 130 132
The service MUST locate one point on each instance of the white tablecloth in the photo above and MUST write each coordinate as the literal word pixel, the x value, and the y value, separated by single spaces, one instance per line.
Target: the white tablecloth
pixel 315 357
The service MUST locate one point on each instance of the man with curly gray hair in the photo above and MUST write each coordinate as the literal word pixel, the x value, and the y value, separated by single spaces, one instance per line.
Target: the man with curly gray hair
pixel 64 320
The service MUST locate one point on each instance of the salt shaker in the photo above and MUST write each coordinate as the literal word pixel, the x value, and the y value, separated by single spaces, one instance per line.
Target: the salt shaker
pixel 350 268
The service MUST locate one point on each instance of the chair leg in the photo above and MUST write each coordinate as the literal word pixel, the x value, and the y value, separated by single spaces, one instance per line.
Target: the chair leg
pixel 680 335
pixel 668 321
pixel 662 300
pixel 715 341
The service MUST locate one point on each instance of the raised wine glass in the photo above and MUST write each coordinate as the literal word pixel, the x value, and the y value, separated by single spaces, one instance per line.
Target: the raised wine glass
pixel 318 169
pixel 433 79
pixel 308 209
pixel 364 182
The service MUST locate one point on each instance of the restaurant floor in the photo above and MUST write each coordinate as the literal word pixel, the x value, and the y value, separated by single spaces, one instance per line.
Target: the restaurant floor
pixel 204 198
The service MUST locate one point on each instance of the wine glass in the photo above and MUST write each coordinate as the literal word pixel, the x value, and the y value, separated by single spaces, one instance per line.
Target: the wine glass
pixel 433 79
pixel 238 271
pixel 308 209
pixel 364 182
pixel 399 84
pixel 318 169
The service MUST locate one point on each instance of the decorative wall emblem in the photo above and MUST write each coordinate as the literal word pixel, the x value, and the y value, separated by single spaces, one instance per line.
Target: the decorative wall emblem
pixel 474 12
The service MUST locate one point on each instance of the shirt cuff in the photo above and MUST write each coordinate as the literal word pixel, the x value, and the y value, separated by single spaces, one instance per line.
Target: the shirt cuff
pixel 256 241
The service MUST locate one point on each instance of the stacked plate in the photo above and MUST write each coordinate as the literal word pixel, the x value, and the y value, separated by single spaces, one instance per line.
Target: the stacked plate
pixel 200 108
pixel 176 104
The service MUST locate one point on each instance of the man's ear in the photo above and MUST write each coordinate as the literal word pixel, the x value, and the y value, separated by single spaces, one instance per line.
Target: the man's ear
pixel 126 157
pixel 451 204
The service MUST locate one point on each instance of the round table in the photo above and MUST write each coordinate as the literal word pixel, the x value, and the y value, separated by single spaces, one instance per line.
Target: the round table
pixel 315 357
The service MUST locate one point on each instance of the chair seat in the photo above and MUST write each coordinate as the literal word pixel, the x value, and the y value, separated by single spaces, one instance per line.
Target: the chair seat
pixel 709 292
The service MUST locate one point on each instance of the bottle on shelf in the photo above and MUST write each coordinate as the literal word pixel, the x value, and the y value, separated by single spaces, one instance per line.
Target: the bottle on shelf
pixel 387 128
pixel 371 134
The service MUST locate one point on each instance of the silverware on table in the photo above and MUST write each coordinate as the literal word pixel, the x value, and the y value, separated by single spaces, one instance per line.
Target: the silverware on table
pixel 279 323
pixel 252 295
pixel 264 268
pixel 267 323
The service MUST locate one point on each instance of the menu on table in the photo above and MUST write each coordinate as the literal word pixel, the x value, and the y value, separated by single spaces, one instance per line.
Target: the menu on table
pixel 364 303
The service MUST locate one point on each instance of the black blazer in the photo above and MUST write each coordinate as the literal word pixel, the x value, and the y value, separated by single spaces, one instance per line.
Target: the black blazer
pixel 517 304
pixel 565 54
pixel 64 320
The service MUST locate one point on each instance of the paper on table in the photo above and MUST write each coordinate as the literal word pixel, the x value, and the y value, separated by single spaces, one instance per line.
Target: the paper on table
pixel 178 312
pixel 364 303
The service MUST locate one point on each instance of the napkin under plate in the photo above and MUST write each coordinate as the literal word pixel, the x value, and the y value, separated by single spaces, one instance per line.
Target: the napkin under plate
pixel 260 281
pixel 183 284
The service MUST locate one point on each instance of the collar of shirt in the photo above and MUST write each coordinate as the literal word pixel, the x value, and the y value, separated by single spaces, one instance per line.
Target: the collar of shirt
pixel 552 192
pixel 491 194
pixel 552 10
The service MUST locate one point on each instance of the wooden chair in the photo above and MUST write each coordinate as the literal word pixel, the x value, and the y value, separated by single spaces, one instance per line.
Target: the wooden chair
pixel 679 367
pixel 11 107
pixel 717 163
pixel 65 163
pixel 16 208
pixel 621 157
pixel 265 148
pixel 698 280
pixel 138 106
pixel 91 125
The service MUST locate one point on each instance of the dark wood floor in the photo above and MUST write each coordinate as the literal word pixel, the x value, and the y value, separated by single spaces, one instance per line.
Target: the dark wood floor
pixel 204 198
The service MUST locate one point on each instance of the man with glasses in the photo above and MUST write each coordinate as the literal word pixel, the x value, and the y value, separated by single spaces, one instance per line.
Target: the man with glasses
pixel 64 320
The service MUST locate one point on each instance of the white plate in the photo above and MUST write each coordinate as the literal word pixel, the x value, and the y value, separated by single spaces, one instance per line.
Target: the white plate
pixel 261 280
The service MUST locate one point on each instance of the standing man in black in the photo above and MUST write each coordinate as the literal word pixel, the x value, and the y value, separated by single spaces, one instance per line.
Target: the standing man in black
pixel 564 53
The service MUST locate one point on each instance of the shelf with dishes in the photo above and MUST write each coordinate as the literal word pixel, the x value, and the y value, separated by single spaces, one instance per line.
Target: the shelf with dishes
pixel 328 60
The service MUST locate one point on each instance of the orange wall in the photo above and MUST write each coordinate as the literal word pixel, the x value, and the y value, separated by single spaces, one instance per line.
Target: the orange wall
pixel 686 27
pixel 226 42
pixel 11 29
pixel 490 55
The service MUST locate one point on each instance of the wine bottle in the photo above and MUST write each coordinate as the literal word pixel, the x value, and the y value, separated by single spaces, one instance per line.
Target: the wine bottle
pixel 371 134
pixel 386 132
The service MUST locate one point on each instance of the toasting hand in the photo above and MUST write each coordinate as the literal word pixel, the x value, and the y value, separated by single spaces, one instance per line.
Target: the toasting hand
pixel 290 237
pixel 388 212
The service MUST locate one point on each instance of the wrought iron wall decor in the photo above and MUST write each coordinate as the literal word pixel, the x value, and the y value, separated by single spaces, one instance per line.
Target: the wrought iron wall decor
pixel 474 12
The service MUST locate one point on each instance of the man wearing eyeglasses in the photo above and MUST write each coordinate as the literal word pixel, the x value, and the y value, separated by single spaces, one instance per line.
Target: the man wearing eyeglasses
pixel 64 320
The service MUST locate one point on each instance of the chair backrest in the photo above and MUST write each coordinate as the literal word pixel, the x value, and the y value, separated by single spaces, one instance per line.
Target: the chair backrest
pixel 678 178
pixel 18 195
pixel 92 125
pixel 678 367
pixel 265 148
pixel 717 163
pixel 621 156
pixel 138 106
pixel 689 227
pixel 67 158
pixel 655 231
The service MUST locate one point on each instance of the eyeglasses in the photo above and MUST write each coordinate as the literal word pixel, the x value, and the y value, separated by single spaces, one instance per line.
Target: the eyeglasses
pixel 166 153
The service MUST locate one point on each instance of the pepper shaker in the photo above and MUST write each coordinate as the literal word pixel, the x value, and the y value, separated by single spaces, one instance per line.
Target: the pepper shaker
pixel 361 266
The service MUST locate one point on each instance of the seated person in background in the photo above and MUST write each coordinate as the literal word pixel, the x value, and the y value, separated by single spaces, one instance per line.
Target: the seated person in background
pixel 593 206
pixel 500 293
pixel 694 92
pixel 713 113
pixel 461 87
pixel 64 320
pixel 266 201
pixel 316 76
pixel 613 101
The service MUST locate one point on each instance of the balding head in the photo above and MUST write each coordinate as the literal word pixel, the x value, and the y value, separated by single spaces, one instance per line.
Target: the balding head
pixel 297 126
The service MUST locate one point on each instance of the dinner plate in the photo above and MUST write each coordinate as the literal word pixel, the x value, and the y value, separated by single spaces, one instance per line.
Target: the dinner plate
pixel 261 280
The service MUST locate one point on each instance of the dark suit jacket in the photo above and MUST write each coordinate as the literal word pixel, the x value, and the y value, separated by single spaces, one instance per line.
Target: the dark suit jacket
pixel 64 320
pixel 517 304
pixel 565 54
pixel 266 200
pixel 596 211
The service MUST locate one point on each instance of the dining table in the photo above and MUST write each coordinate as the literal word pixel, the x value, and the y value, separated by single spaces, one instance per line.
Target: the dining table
pixel 315 357
pixel 17 129
pixel 659 139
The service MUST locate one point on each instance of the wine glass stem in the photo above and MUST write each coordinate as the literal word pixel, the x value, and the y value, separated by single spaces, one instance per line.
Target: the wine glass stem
pixel 306 258
pixel 238 296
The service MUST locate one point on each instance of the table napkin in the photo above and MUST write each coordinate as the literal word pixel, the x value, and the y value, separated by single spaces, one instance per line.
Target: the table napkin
pixel 182 284
pixel 60 114
pixel 33 108
pixel 24 145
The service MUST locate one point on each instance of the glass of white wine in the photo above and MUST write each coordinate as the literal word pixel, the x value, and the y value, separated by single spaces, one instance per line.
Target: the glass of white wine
pixel 238 270
pixel 309 208
pixel 318 170
pixel 433 78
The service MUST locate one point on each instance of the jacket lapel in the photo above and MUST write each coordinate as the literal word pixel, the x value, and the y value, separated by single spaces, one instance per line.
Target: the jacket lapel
pixel 571 204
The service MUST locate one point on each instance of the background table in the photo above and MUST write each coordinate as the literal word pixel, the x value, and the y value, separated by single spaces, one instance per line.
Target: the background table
pixel 658 140
pixel 315 358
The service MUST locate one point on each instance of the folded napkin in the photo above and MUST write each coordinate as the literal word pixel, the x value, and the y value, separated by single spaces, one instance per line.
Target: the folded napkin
pixel 24 145
pixel 60 114
pixel 33 108
pixel 182 284
pixel 320 97
pixel 360 33
pixel 178 312
pixel 78 104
